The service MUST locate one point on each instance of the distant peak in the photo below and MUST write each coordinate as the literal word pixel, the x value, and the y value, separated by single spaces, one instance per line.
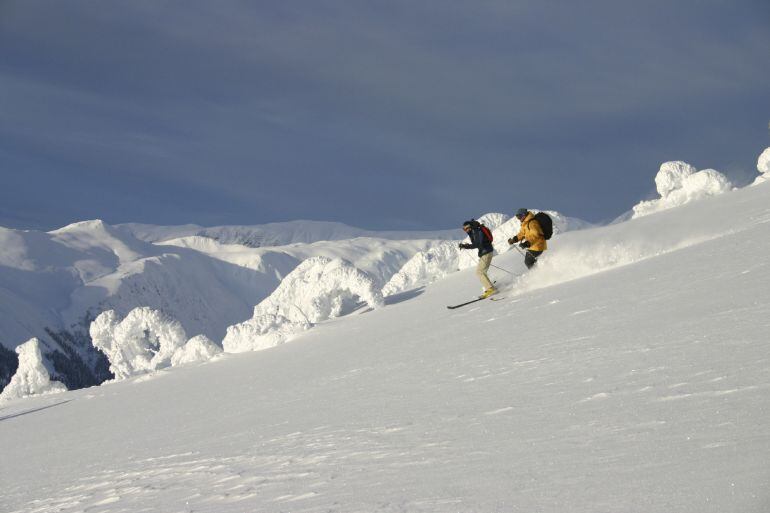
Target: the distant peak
pixel 94 224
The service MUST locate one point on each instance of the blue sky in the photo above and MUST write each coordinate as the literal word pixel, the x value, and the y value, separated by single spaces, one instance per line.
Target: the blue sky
pixel 389 114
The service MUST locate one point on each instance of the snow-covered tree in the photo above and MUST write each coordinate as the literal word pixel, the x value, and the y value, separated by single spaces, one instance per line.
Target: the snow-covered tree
pixel 200 348
pixel 424 268
pixel 679 183
pixel 142 342
pixel 318 289
pixel 763 166
pixel 672 175
pixel 31 377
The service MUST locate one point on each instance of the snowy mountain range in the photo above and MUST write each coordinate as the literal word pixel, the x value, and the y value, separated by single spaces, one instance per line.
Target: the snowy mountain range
pixel 53 284
pixel 627 372
pixel 275 234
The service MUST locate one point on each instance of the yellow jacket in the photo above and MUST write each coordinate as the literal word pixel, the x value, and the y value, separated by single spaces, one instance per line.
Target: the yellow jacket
pixel 532 233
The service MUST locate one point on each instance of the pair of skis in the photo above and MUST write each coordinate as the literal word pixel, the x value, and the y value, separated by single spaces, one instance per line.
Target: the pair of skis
pixel 491 298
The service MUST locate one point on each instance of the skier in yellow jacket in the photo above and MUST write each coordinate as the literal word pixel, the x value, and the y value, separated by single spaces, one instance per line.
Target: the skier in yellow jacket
pixel 530 237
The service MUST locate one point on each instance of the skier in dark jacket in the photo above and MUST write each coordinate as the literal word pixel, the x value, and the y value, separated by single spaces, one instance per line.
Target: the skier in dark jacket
pixel 480 241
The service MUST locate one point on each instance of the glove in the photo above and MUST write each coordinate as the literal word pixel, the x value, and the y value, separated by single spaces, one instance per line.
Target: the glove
pixel 525 244
pixel 514 240
pixel 464 246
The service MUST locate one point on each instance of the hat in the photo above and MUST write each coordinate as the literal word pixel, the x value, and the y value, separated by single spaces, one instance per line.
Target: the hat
pixel 469 223
pixel 522 212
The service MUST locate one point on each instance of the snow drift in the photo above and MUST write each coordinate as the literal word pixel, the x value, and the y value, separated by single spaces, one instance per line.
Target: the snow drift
pixel 678 183
pixel 31 377
pixel 318 289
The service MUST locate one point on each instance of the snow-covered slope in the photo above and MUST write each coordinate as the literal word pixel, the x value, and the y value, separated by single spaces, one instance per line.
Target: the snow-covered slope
pixel 629 372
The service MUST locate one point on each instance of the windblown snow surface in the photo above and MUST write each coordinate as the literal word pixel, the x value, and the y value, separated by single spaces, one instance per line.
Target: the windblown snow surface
pixel 628 372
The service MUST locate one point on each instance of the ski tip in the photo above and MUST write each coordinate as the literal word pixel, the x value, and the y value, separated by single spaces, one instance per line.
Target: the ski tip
pixel 452 307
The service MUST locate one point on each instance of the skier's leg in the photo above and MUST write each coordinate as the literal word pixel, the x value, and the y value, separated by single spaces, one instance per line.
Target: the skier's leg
pixel 481 271
pixel 530 259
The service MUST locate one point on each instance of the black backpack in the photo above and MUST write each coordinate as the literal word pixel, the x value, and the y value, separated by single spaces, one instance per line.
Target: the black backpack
pixel 546 224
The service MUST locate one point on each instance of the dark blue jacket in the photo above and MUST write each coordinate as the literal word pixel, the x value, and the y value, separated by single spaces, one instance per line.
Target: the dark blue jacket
pixel 479 241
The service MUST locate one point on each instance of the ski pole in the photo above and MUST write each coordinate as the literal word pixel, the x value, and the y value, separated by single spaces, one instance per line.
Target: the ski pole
pixel 493 265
